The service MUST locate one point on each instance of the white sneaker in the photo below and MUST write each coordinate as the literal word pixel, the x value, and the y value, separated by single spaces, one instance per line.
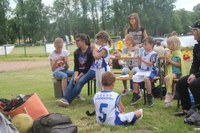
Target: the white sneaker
pixel 168 98
pixel 168 105
pixel 62 102
pixel 81 97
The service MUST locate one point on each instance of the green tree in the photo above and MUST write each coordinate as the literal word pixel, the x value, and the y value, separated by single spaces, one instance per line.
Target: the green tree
pixel 4 4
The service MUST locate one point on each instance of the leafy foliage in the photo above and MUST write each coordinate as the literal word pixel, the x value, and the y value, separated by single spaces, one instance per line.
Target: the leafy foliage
pixel 32 21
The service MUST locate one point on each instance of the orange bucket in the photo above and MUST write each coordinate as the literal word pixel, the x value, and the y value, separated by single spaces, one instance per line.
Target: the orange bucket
pixel 33 106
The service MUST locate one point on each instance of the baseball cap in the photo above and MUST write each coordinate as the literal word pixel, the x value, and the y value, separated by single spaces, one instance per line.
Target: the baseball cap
pixel 196 24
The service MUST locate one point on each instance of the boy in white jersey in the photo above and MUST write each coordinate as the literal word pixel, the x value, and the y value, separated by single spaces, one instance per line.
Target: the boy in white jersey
pixel 147 70
pixel 108 106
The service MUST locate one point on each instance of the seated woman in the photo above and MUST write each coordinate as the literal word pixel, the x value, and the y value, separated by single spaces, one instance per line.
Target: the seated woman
pixel 84 70
pixel 59 63
pixel 192 80
pixel 132 63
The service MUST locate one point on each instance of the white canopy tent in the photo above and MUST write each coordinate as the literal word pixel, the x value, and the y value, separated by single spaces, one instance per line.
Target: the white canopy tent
pixel 187 41
pixel 50 47
pixel 6 49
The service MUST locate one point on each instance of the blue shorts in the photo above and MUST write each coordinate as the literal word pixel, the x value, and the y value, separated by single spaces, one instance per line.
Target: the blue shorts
pixel 125 119
pixel 61 74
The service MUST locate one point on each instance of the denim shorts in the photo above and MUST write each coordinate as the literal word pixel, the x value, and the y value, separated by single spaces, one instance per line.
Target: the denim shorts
pixel 126 70
pixel 61 74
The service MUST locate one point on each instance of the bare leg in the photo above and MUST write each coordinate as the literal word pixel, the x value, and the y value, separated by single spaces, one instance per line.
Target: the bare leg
pixel 169 91
pixel 64 85
pixel 125 84
pixel 136 88
pixel 147 85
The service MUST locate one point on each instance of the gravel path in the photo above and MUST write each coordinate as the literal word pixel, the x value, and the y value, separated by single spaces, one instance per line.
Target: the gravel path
pixel 6 66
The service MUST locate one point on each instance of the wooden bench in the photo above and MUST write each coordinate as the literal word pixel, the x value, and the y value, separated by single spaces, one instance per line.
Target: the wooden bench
pixel 58 89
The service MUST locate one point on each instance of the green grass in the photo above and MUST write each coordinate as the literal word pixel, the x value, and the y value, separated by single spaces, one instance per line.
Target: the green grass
pixel 156 119
pixel 38 80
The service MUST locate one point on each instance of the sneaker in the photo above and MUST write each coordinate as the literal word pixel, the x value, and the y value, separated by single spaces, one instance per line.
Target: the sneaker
pixel 81 97
pixel 150 100
pixel 135 99
pixel 62 102
pixel 125 92
pixel 129 89
pixel 182 113
pixel 168 98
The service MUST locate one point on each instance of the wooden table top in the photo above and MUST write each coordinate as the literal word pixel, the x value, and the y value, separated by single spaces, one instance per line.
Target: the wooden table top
pixel 122 58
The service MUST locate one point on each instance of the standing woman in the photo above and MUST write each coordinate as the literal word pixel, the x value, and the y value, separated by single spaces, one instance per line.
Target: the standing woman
pixel 84 70
pixel 135 29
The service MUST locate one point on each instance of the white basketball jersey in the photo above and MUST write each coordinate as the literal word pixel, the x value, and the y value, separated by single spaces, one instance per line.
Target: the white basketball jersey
pixel 152 57
pixel 103 62
pixel 106 106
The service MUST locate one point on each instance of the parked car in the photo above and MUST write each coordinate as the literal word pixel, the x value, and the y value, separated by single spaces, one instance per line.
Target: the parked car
pixel 162 40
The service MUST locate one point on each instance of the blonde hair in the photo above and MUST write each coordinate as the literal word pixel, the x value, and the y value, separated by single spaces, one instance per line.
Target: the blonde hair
pixel 108 79
pixel 103 35
pixel 130 37
pixel 175 41
pixel 58 42
pixel 137 19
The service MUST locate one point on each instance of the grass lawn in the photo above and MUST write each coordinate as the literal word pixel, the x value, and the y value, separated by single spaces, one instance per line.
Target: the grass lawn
pixel 156 119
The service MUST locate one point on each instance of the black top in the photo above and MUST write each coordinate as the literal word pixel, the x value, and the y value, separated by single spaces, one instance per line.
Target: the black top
pixel 196 60
pixel 83 61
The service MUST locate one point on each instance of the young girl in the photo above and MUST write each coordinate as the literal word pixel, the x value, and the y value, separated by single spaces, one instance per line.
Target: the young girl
pixel 101 56
pixel 147 70
pixel 59 63
pixel 109 107
pixel 135 29
pixel 174 67
pixel 130 48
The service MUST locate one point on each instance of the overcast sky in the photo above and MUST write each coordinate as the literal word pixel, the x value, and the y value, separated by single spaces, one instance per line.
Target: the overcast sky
pixel 186 4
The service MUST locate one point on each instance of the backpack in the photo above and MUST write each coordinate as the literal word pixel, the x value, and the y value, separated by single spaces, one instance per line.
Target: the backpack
pixel 193 116
pixel 54 123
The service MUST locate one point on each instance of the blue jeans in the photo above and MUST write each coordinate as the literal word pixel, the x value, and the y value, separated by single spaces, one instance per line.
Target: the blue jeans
pixel 61 74
pixel 72 90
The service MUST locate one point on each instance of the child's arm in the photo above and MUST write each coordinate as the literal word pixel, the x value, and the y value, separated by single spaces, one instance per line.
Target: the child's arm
pixel 99 55
pixel 53 64
pixel 66 60
pixel 121 106
pixel 149 63
pixel 177 64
